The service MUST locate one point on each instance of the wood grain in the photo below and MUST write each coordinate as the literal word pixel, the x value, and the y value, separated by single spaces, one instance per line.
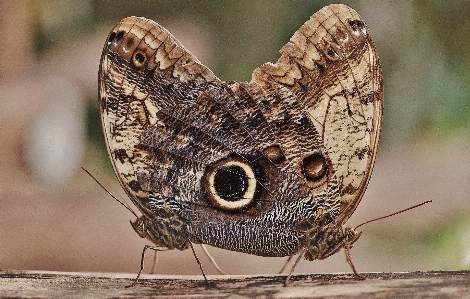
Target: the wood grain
pixel 38 284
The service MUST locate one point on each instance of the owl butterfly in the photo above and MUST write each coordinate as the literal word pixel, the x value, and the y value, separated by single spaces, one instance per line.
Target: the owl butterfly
pixel 271 167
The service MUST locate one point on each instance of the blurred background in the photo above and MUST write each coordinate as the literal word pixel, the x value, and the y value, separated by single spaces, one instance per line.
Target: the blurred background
pixel 54 217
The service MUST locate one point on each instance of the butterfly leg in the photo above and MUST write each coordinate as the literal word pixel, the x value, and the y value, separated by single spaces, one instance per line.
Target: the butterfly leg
pixel 214 263
pixel 346 247
pixel 155 260
pixel 285 264
pixel 199 263
pixel 142 262
pixel 286 282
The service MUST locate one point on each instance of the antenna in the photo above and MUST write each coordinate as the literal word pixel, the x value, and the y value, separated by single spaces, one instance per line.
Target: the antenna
pixel 383 217
pixel 123 204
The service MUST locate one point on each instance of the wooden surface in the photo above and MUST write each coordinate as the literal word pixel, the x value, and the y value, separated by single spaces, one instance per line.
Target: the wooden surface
pixel 35 284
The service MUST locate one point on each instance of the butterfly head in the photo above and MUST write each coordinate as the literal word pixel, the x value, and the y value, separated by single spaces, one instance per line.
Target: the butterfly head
pixel 324 241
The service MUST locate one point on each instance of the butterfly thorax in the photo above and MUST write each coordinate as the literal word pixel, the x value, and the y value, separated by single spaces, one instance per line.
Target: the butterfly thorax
pixel 324 241
pixel 324 236
pixel 169 233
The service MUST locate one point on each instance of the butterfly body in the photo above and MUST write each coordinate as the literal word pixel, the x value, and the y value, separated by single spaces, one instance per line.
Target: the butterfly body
pixel 270 167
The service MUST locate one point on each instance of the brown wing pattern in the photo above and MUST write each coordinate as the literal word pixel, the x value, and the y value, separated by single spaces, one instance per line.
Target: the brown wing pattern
pixel 332 66
pixel 267 167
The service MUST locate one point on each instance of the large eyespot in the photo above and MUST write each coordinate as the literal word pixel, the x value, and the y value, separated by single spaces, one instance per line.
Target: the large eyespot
pixel 274 154
pixel 230 184
pixel 139 58
pixel 314 167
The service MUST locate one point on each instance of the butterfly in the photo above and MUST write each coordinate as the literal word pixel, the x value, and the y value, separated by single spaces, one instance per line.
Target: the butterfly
pixel 271 167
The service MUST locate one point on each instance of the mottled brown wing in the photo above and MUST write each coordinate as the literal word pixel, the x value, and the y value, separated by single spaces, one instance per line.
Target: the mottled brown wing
pixel 169 124
pixel 128 110
pixel 332 66
pixel 265 167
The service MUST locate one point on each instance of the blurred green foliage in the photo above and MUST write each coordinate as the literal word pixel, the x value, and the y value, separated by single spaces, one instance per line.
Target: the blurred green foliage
pixel 450 245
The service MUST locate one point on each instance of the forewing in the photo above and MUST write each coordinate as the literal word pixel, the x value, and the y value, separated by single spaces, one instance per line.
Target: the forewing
pixel 127 97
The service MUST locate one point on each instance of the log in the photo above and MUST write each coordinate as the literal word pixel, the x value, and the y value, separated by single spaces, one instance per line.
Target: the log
pixel 41 284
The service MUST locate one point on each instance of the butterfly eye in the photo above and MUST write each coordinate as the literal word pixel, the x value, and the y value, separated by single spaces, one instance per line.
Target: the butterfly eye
pixel 314 167
pixel 230 184
pixel 140 227
pixel 274 154
pixel 139 58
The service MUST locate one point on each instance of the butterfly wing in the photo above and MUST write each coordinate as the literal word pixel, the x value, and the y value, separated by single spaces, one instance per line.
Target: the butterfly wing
pixel 332 66
pixel 168 123
pixel 242 166
pixel 128 109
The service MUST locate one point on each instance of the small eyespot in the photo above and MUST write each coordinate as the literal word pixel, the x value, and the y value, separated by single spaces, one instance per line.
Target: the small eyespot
pixel 274 154
pixel 314 167
pixel 135 186
pixel 139 58
pixel 331 54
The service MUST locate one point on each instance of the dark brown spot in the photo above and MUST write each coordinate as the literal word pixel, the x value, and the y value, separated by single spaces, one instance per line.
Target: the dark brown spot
pixel 358 26
pixel 367 99
pixel 349 189
pixel 134 186
pixel 139 58
pixel 332 55
pixel 121 155
pixel 361 152
pixel 129 42
pixel 314 167
pixel 274 154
